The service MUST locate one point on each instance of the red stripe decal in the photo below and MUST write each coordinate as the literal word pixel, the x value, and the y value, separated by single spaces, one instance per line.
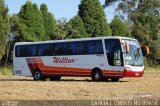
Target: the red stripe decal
pixel 54 70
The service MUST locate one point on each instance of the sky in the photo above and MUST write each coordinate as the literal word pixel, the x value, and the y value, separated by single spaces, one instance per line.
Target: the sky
pixel 59 8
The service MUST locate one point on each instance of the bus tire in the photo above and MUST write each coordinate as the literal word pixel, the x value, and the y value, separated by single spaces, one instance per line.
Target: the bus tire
pixel 114 79
pixel 56 78
pixel 38 75
pixel 97 75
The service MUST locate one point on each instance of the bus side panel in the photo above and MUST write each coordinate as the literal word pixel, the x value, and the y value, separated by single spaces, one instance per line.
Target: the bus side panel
pixel 79 65
pixel 21 67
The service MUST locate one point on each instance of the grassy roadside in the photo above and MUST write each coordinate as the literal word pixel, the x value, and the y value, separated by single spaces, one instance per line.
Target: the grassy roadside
pixel 6 71
pixel 152 69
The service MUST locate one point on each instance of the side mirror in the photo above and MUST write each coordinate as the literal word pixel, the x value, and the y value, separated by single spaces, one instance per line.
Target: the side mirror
pixel 127 47
pixel 145 50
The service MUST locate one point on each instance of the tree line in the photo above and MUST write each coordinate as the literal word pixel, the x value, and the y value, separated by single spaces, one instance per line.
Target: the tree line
pixel 38 24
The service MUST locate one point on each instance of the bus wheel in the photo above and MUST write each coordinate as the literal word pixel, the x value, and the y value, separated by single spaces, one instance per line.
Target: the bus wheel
pixel 38 75
pixel 114 79
pixel 55 78
pixel 97 75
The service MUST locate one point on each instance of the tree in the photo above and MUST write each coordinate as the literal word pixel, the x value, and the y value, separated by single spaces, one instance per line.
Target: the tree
pixel 72 32
pixel 77 24
pixel 65 30
pixel 49 21
pixel 18 29
pixel 144 17
pixel 4 27
pixel 60 32
pixel 146 20
pixel 109 2
pixel 155 52
pixel 146 25
pixel 120 27
pixel 31 17
pixel 94 18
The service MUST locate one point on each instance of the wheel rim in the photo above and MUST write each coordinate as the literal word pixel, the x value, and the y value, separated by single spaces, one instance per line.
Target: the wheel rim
pixel 37 75
pixel 96 76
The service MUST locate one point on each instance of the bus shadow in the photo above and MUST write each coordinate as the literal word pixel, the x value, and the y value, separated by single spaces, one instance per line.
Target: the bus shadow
pixel 74 80
pixel 87 80
pixel 62 80
pixel 10 79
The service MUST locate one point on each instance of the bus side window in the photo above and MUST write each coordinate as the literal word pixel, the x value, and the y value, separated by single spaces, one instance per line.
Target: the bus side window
pixel 94 47
pixel 45 50
pixel 72 48
pixel 77 48
pixel 61 49
pixel 109 52
pixel 20 51
pixel 31 50
pixel 117 57
pixel 113 51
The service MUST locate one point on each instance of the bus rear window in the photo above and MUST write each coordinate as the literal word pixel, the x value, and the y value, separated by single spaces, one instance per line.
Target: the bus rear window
pixel 20 51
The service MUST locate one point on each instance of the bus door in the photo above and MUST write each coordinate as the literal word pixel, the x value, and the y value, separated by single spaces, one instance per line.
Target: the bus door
pixel 114 54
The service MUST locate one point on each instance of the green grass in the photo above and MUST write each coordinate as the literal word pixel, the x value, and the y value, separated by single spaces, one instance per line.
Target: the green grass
pixel 7 71
pixel 152 69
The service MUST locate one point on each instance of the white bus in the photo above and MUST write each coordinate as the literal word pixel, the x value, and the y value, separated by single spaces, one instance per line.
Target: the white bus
pixel 99 58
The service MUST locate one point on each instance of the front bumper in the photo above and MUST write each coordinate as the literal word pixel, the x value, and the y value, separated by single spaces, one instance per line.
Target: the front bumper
pixel 130 73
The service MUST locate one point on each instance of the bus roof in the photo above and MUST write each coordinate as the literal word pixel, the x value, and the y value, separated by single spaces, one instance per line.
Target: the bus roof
pixel 70 40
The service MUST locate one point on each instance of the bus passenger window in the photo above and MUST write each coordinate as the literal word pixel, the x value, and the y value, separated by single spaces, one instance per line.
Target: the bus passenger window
pixel 31 50
pixel 20 51
pixel 117 57
pixel 61 49
pixel 76 48
pixel 45 50
pixel 94 47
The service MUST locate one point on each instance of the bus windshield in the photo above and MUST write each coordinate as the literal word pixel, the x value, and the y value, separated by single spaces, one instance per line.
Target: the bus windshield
pixel 134 57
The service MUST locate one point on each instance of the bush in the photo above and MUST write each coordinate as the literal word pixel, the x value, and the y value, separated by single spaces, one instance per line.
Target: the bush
pixel 7 71
pixel 153 68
